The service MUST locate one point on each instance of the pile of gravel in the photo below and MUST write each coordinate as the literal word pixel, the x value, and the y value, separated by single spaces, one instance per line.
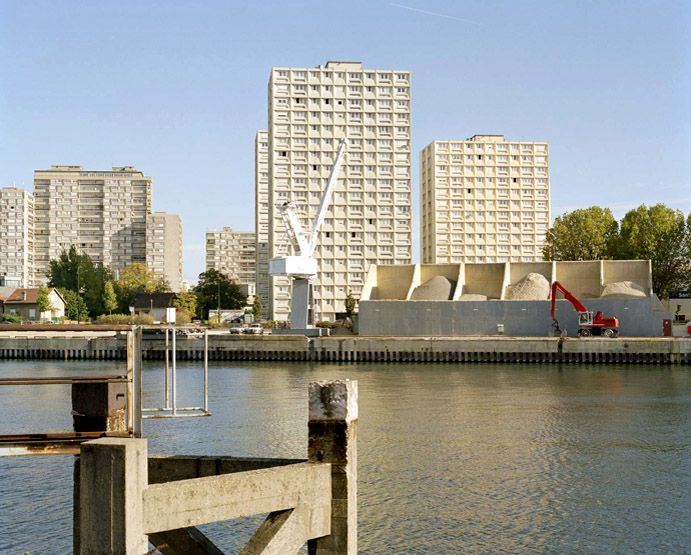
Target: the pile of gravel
pixel 533 287
pixel 438 288
pixel 472 297
pixel 623 289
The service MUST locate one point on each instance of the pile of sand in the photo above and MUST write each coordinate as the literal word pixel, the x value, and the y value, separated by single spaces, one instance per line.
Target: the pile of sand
pixel 472 297
pixel 533 287
pixel 438 288
pixel 623 289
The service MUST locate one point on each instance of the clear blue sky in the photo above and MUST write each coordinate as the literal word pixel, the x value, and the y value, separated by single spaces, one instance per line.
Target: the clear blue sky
pixel 178 89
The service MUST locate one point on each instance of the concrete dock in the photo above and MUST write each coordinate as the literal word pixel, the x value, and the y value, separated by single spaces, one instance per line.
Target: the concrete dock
pixel 94 345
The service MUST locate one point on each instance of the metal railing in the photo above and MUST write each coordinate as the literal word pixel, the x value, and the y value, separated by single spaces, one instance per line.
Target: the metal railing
pixel 109 420
pixel 170 408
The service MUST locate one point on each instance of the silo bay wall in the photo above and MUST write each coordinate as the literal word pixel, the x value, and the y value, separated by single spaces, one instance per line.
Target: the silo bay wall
pixel 222 347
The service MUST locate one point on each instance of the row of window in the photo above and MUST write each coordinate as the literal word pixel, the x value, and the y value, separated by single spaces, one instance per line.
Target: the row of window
pixel 350 118
pixel 487 147
pixel 487 259
pixel 302 74
pixel 299 144
pixel 340 130
pixel 381 104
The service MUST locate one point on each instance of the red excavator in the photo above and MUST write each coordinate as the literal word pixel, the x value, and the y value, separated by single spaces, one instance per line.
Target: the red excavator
pixel 587 323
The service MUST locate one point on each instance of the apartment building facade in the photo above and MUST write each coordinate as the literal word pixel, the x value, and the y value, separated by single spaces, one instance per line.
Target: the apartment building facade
pixel 261 220
pixel 17 235
pixel 369 221
pixel 102 213
pixel 485 199
pixel 164 247
pixel 232 253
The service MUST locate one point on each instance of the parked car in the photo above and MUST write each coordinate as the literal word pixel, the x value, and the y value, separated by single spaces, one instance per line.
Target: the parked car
pixel 254 329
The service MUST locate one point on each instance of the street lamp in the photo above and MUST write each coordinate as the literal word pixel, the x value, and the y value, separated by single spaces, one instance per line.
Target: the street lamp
pixel 218 313
pixel 79 292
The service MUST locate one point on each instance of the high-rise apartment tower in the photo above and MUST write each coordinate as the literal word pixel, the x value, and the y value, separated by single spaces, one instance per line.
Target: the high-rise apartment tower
pixel 369 221
pixel 17 235
pixel 233 253
pixel 164 247
pixel 102 213
pixel 484 199
pixel 261 218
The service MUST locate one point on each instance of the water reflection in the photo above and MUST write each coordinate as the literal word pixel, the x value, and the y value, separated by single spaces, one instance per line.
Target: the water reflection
pixel 452 458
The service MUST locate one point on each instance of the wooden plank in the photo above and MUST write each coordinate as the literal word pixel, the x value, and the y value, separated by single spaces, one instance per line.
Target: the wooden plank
pixel 202 500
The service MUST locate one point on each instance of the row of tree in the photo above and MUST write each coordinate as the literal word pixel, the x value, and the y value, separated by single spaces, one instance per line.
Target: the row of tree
pixel 90 289
pixel 657 233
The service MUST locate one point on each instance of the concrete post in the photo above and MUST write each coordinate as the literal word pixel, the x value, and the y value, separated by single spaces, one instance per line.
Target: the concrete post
pixel 333 414
pixel 113 477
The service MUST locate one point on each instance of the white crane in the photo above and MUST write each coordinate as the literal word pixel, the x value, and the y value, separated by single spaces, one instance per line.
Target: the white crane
pixel 301 266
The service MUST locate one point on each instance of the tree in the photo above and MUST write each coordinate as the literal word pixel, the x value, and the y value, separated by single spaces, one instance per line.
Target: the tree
pixel 75 306
pixel 257 307
pixel 187 301
pixel 110 299
pixel 42 301
pixel 186 304
pixel 77 272
pixel 215 290
pixel 350 304
pixel 65 271
pixel 584 234
pixel 137 278
pixel 662 235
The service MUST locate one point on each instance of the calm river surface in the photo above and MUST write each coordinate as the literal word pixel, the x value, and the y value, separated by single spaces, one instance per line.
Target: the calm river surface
pixel 452 458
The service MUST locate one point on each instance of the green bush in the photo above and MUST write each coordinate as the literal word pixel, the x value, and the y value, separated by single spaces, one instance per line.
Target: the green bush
pixel 325 324
pixel 182 317
pixel 138 319
pixel 11 318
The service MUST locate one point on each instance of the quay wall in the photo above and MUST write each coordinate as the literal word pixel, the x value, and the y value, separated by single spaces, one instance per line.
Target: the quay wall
pixel 90 346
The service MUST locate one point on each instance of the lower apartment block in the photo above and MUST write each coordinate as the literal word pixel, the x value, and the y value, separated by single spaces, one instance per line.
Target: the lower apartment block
pixel 485 199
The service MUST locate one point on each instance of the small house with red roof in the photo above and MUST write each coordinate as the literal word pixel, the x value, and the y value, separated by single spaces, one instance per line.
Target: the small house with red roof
pixel 24 302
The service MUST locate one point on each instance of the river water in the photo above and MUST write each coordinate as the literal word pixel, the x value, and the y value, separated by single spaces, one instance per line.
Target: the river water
pixel 452 458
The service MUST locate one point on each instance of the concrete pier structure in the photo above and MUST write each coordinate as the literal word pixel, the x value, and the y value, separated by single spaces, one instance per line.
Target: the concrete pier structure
pixel 333 416
pixel 127 499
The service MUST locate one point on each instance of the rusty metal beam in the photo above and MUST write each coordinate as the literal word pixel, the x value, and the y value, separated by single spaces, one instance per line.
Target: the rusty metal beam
pixel 64 327
pixel 94 378
pixel 58 443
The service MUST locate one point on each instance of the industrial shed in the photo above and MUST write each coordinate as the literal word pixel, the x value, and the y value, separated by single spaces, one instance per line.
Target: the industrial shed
pixel 510 298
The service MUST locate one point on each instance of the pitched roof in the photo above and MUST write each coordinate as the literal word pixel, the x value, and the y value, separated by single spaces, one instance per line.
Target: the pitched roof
pixel 153 300
pixel 24 295
pixel 5 292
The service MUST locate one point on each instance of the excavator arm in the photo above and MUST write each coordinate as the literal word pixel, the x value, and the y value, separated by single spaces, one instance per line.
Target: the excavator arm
pixel 588 324
pixel 577 305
